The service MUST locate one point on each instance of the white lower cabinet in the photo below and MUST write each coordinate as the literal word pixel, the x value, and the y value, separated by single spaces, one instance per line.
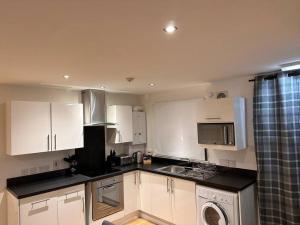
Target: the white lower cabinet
pixel 37 210
pixel 131 192
pixel 146 191
pixel 62 207
pixel 183 202
pixel 167 198
pixel 71 208
pixel 160 196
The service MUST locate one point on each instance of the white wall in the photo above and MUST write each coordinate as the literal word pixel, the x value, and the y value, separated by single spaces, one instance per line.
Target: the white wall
pixel 235 87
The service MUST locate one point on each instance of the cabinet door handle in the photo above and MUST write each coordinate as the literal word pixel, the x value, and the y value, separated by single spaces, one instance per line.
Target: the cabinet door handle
pixel 48 142
pixel 83 205
pixel 135 174
pixel 34 203
pixel 140 180
pixel 172 186
pixel 168 189
pixel 55 141
pixel 213 118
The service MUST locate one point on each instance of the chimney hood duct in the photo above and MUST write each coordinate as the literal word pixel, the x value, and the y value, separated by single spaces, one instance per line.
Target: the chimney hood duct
pixel 94 108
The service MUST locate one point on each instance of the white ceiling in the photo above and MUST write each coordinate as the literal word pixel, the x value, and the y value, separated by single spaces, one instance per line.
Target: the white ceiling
pixel 100 42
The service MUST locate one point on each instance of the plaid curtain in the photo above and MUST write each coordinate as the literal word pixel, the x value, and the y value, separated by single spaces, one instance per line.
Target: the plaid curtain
pixel 277 143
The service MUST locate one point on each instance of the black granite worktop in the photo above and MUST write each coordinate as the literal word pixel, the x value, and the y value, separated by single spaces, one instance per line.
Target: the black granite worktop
pixel 26 186
pixel 229 179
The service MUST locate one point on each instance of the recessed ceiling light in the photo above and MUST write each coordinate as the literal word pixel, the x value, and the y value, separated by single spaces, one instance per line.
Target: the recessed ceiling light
pixel 66 76
pixel 151 84
pixel 102 86
pixel 170 29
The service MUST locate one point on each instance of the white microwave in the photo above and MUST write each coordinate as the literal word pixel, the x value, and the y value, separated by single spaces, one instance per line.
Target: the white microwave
pixel 216 133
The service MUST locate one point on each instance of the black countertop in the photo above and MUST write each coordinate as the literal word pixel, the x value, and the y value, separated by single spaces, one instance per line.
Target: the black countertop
pixel 229 179
pixel 22 187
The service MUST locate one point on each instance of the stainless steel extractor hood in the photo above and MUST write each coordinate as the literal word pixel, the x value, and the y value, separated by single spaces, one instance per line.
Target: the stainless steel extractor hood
pixel 94 107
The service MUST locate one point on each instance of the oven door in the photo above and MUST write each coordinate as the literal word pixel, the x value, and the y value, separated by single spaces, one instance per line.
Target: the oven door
pixel 107 199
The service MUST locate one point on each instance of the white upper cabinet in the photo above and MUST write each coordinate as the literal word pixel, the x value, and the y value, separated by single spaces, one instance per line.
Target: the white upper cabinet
pixel 67 126
pixel 121 132
pixel 28 127
pixel 225 110
pixel 34 127
pixel 139 128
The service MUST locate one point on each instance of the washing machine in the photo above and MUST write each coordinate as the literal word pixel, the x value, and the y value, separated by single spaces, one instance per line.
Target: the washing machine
pixel 217 207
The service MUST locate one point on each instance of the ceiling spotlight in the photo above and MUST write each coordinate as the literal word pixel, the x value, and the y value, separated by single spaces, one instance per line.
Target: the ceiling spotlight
pixel 170 29
pixel 151 84
pixel 66 76
pixel 102 87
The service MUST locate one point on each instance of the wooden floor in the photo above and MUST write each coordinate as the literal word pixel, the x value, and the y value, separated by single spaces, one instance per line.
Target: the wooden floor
pixel 140 222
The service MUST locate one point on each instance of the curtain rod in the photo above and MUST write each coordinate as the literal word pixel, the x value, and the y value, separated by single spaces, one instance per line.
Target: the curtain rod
pixel 273 75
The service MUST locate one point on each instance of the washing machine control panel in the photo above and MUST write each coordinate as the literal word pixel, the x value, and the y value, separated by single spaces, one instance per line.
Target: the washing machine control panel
pixel 216 196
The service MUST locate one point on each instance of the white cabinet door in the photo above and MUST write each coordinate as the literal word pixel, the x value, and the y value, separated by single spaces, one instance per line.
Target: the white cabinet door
pixel 122 116
pixel 160 194
pixel 145 180
pixel 216 110
pixel 139 127
pixel 67 126
pixel 131 192
pixel 28 127
pixel 71 209
pixel 39 210
pixel 183 202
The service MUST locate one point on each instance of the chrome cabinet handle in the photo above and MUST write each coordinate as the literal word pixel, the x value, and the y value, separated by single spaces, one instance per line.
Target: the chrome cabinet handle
pixel 135 174
pixel 168 189
pixel 34 203
pixel 213 118
pixel 55 141
pixel 83 205
pixel 172 186
pixel 48 142
pixel 140 180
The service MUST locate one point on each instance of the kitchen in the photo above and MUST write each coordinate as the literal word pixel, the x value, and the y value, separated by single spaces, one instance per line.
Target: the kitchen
pixel 160 209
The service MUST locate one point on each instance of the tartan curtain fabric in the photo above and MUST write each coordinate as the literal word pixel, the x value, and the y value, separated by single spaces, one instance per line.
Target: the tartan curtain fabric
pixel 277 142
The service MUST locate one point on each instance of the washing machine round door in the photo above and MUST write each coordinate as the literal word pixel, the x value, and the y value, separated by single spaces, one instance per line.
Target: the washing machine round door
pixel 212 214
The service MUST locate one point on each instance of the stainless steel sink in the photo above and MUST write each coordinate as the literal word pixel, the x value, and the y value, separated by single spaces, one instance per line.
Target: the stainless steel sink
pixel 202 171
pixel 172 169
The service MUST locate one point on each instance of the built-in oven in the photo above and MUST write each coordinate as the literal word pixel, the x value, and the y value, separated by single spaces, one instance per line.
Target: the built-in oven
pixel 216 133
pixel 107 197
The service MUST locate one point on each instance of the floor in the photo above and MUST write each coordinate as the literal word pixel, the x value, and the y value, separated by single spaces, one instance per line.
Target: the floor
pixel 140 222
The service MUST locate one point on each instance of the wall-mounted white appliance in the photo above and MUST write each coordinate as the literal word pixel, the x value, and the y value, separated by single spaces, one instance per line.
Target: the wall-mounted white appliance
pixel 222 124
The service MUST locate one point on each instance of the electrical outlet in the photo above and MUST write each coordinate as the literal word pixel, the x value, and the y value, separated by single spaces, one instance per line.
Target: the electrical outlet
pixel 56 164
